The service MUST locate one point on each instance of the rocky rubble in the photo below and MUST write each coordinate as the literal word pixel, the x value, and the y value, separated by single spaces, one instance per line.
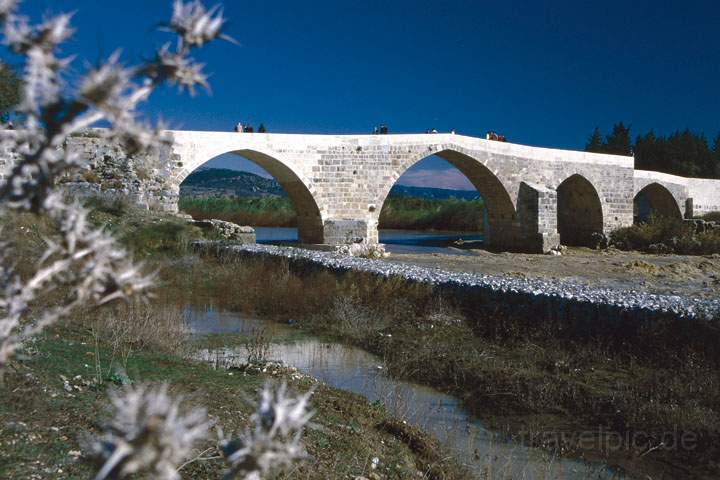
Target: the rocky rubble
pixel 227 230
pixel 363 250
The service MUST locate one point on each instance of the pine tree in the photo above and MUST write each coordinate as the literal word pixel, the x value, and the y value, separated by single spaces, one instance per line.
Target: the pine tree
pixel 647 154
pixel 261 128
pixel 595 143
pixel 618 142
pixel 683 153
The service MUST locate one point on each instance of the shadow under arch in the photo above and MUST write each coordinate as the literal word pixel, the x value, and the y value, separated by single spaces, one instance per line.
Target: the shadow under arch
pixel 579 211
pixel 309 217
pixel 655 199
pixel 498 204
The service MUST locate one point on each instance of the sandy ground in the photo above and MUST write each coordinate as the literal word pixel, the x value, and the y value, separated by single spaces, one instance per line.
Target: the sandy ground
pixel 694 276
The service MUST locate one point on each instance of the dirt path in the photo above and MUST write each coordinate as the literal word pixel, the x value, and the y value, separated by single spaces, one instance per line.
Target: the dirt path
pixel 695 276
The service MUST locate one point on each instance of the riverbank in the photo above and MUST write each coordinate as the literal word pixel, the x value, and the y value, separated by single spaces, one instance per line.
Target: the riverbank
pixel 645 401
pixel 53 398
pixel 583 392
pixel 56 390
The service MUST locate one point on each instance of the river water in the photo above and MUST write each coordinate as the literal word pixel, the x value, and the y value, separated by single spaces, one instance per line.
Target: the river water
pixel 358 371
pixel 396 241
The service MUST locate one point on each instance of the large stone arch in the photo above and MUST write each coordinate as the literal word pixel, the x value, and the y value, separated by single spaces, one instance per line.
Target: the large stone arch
pixel 501 213
pixel 299 190
pixel 579 211
pixel 655 199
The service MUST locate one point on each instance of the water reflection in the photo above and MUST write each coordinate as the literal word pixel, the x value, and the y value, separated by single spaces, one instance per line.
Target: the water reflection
pixel 396 241
pixel 360 372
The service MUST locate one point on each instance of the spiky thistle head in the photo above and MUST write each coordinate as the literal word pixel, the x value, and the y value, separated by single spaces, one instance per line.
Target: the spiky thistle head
pixel 148 432
pixel 273 442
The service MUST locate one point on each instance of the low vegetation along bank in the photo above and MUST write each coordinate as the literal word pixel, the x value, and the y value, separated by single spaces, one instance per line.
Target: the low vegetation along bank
pixel 405 213
pixel 56 391
pixel 668 235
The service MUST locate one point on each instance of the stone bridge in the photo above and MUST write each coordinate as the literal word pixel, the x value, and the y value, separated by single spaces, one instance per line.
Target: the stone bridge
pixel 535 197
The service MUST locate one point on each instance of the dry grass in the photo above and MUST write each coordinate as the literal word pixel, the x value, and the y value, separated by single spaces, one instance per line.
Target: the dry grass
pixel 137 326
pixel 257 346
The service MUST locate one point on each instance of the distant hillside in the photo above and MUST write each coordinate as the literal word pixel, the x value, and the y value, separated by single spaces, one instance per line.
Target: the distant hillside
pixel 433 193
pixel 220 182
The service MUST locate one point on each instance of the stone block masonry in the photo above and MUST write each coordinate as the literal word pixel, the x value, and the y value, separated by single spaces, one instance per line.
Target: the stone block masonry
pixel 535 197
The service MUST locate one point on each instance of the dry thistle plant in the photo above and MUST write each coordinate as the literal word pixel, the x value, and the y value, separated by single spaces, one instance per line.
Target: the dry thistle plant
pixel 148 432
pixel 273 442
pixel 83 261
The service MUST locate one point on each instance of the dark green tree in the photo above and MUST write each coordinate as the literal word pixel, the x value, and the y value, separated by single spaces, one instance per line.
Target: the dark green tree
pixel 682 153
pixel 595 143
pixel 261 128
pixel 10 87
pixel 648 152
pixel 618 142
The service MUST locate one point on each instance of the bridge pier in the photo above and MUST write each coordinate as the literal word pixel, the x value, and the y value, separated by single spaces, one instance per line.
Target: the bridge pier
pixel 342 231
pixel 537 215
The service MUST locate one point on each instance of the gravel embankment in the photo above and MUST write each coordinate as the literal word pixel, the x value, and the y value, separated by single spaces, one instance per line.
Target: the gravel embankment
pixel 563 291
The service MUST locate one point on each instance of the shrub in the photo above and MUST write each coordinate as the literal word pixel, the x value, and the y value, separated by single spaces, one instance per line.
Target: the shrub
pixel 166 237
pixel 90 176
pixel 711 217
pixel 142 326
pixel 666 235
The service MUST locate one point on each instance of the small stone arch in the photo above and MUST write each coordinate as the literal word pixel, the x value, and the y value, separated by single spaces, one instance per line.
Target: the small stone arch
pixel 309 215
pixel 501 214
pixel 655 199
pixel 579 211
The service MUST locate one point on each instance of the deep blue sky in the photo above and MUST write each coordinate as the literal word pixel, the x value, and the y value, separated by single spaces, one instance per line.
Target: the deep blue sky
pixel 541 73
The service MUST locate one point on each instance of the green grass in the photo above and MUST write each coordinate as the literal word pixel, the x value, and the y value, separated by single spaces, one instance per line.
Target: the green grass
pixel 55 420
pixel 255 211
pixel 145 234
pixel 406 213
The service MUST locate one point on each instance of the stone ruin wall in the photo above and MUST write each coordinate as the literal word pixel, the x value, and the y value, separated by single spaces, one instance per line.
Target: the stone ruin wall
pixel 109 172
